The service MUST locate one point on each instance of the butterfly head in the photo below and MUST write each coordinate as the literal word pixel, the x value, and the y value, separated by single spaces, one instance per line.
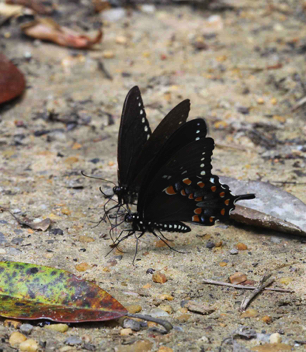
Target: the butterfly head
pixel 130 217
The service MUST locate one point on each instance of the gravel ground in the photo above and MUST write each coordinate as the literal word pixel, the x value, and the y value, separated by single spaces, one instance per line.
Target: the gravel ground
pixel 243 70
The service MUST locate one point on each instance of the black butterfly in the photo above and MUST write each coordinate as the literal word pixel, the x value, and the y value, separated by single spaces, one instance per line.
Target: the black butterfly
pixel 179 186
pixel 137 145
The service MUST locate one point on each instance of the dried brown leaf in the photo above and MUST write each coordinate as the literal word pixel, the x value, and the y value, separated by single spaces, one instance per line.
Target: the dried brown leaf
pixel 34 5
pixel 47 29
pixel 273 208
pixel 12 82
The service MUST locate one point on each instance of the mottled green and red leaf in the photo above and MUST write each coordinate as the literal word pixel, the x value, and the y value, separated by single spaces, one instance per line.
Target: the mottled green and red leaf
pixel 29 291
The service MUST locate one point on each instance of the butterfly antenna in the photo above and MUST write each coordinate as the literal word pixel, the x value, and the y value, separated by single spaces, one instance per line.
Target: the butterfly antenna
pixel 97 178
pixel 244 196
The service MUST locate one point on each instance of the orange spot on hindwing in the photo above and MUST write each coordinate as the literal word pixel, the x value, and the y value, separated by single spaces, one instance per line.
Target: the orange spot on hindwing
pixel 213 188
pixel 198 211
pixel 187 181
pixel 170 191
pixel 211 219
pixel 195 218
pixel 183 193
pixel 223 211
pixel 190 196
pixel 227 202
pixel 201 184
pixel 222 194
pixel 199 199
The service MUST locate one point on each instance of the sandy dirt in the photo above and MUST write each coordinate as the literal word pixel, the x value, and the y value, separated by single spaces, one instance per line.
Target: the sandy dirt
pixel 244 74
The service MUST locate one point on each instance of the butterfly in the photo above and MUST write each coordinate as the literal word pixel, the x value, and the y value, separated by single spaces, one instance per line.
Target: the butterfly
pixel 137 145
pixel 179 187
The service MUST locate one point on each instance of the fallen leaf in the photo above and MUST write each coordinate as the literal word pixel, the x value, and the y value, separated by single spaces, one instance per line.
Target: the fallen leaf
pixel 40 225
pixel 34 5
pixel 47 29
pixel 237 278
pixel 12 82
pixel 270 207
pixel 30 291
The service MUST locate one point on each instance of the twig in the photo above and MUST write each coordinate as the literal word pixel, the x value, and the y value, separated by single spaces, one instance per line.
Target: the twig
pixel 300 103
pixel 234 146
pixel 168 326
pixel 264 282
pixel 220 283
pixel 104 70
pixel 289 182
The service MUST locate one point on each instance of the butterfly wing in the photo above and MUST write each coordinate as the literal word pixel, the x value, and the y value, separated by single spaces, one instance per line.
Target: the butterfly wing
pixel 182 188
pixel 169 124
pixel 133 134
pixel 180 150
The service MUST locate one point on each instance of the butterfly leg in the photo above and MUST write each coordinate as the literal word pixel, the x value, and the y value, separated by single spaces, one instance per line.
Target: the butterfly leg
pixel 161 238
pixel 137 241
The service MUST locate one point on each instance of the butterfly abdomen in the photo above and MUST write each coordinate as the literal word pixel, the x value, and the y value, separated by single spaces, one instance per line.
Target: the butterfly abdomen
pixel 139 224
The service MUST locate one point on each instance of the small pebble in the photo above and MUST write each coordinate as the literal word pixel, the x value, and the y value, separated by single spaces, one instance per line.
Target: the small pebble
pixel 249 313
pixel 131 324
pixel 113 15
pixel 73 340
pixel 82 267
pixel 286 280
pixel 86 239
pixel 237 278
pixel 165 349
pixel 167 308
pixel 158 277
pixel 210 244
pixel 56 232
pixel 241 246
pixel 16 338
pixel 275 338
pixel 204 339
pixel 57 327
pixel 275 239
pixel 267 319
pixel 94 160
pixel 12 323
pixel 89 347
pixel 26 329
pixel 158 313
pixel 223 264
pixel 178 328
pixel 29 345
pixel 126 332
pixel 17 240
pixel 2 238
pixel 166 297
pixel 233 251
pixel 148 8
pixel 243 110
pixel 183 318
pixel 121 40
pixel 134 308
pixel 108 54
pixel 27 55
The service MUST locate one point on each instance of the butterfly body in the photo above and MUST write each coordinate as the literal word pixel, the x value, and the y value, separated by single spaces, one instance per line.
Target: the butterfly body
pixel 145 225
pixel 137 145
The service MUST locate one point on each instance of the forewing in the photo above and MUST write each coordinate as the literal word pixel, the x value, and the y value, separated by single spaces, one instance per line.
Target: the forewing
pixel 184 139
pixel 133 134
pixel 170 123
